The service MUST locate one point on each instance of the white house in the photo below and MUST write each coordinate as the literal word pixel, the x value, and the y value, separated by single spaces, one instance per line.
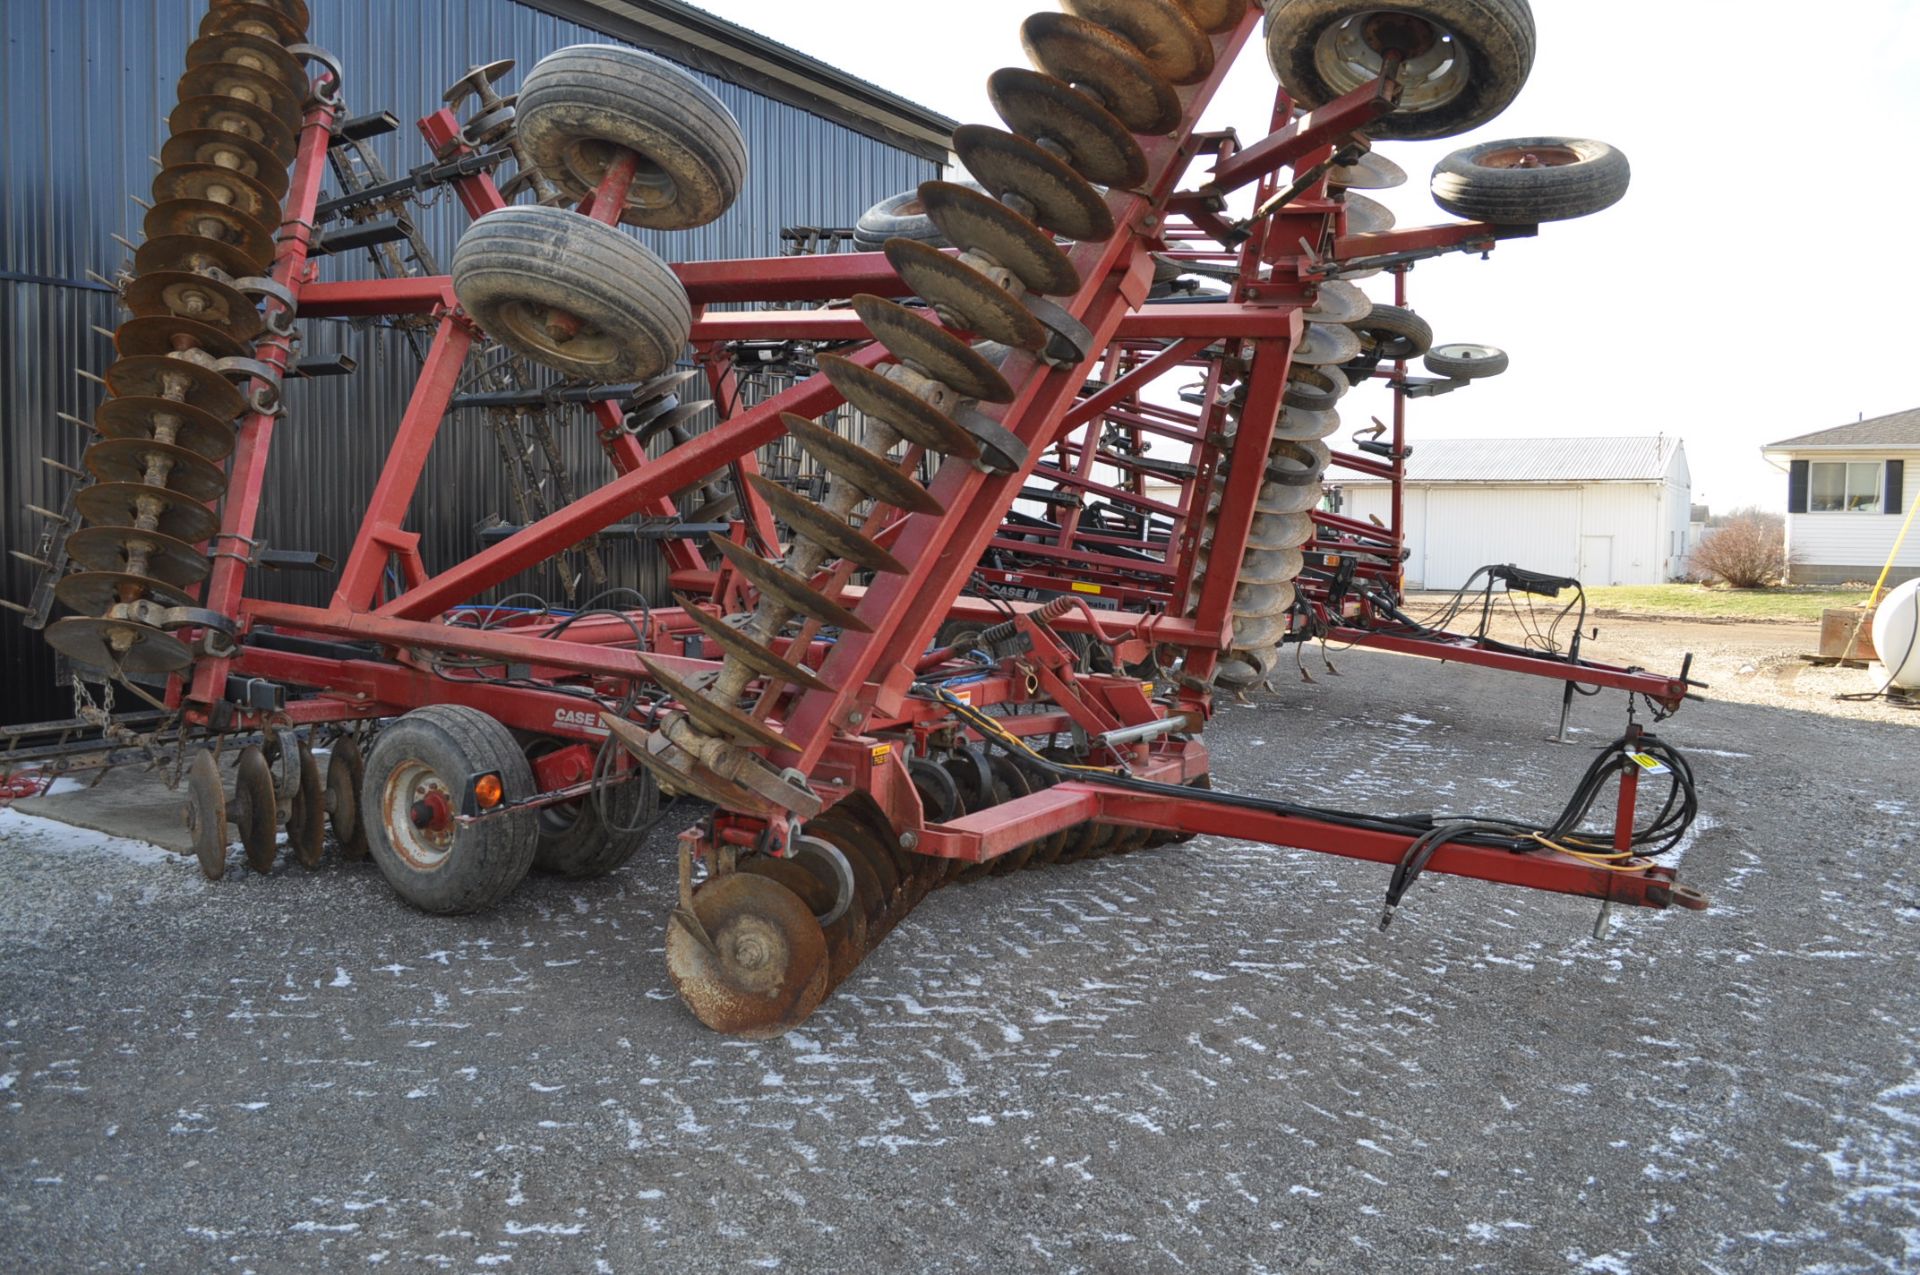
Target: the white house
pixel 1847 493
pixel 1602 510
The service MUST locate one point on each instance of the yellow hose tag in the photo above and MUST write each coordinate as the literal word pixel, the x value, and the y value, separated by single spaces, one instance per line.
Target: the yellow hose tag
pixel 1649 763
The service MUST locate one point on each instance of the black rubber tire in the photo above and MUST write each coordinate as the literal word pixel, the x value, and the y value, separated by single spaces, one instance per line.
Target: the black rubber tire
pixel 1497 37
pixel 577 839
pixel 512 265
pixel 1456 364
pixel 580 101
pixel 900 216
pixel 484 861
pixel 1393 332
pixel 1314 389
pixel 1476 183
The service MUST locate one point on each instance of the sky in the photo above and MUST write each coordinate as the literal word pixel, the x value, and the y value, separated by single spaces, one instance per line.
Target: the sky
pixel 1773 157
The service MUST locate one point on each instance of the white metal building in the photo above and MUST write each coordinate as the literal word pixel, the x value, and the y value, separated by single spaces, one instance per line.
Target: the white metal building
pixel 1847 496
pixel 1602 510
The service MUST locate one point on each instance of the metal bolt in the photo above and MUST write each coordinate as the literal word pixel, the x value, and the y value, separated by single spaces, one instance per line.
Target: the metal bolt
pixel 909 840
pixel 856 717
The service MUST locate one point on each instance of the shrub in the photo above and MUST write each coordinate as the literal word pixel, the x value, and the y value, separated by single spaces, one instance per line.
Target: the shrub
pixel 1747 551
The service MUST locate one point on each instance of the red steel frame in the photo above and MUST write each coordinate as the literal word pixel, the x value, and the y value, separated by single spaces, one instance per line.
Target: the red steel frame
pixel 844 734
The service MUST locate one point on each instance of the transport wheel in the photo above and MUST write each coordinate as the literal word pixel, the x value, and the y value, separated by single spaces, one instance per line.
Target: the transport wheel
pixel 307 816
pixel 1528 180
pixel 1464 361
pixel 346 768
pixel 1464 60
pixel 572 294
pixel 206 815
pixel 1392 332
pixel 581 106
pixel 900 216
pixel 767 966
pixel 598 833
pixel 416 779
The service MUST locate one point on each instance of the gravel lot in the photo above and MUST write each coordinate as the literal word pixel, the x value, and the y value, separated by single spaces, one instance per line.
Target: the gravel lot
pixel 1201 1058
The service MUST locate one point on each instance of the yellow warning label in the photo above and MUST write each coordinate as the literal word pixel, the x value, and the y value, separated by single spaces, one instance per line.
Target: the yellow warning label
pixel 964 696
pixel 1649 763
pixel 1081 586
pixel 881 752
pixel 1146 689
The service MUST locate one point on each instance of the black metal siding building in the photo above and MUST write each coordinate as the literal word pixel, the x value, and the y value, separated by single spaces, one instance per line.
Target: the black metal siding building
pixel 86 89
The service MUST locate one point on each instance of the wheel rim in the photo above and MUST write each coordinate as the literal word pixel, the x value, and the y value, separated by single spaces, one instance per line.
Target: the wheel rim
pixel 1467 353
pixel 530 326
pixel 423 848
pixel 1528 157
pixel 1435 71
pixel 589 159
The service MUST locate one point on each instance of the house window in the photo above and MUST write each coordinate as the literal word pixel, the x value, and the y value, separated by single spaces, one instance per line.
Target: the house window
pixel 1844 487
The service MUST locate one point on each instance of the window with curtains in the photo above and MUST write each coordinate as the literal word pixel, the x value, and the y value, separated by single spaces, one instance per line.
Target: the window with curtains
pixel 1844 487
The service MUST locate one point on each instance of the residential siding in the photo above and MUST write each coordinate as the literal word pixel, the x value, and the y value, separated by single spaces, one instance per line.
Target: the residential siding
pixel 86 90
pixel 1838 548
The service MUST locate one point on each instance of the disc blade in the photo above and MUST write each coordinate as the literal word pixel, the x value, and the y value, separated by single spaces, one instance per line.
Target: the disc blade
pixel 231 47
pixel 210 220
pixel 976 302
pixel 1043 109
pixel 932 351
pixel 977 222
pixel 1095 60
pixel 206 815
pixel 1062 200
pixel 125 460
pixel 1170 41
pixel 739 646
pixel 162 376
pixel 191 253
pixel 873 475
pixel 199 297
pixel 1339 302
pixel 96 592
pixel 1326 343
pixel 118 505
pixel 715 718
pixel 1368 216
pixel 911 416
pixel 222 148
pixel 767 968
pixel 1372 171
pixel 143 418
pixel 225 79
pixel 815 524
pixel 142 651
pixel 162 334
pixel 1215 16
pixel 788 590
pixel 262 20
pixel 109 548
pixel 254 808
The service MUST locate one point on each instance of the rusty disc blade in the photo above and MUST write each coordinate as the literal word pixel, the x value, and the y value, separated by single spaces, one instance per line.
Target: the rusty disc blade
pixel 788 590
pixel 808 888
pixel 911 416
pixel 181 380
pixel 810 522
pixel 210 220
pixel 232 117
pixel 141 651
pixel 1096 60
pixel 191 253
pixel 125 460
pixel 982 224
pixel 1096 144
pixel 872 474
pixel 96 592
pixel 206 815
pixel 1170 41
pixel 307 817
pixel 230 47
pixel 959 291
pixel 1215 16
pixel 767 968
pixel 162 334
pixel 737 645
pixel 118 505
pixel 198 431
pixel 220 186
pixel 244 84
pixel 1006 165
pixel 225 149
pixel 847 937
pixel 253 808
pixel 716 718
pixel 261 20
pixel 1279 531
pixel 1371 171
pixel 295 10
pixel 108 549
pixel 199 297
pixel 672 779
pixel 931 350
pixel 865 850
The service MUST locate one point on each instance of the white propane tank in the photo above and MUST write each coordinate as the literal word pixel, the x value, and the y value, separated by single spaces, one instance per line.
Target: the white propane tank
pixel 1896 635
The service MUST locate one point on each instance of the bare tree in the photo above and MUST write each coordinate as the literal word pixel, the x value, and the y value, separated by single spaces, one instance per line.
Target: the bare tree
pixel 1747 551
